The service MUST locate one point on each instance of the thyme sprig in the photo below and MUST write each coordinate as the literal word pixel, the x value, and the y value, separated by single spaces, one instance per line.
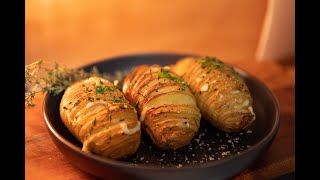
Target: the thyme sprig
pixel 41 79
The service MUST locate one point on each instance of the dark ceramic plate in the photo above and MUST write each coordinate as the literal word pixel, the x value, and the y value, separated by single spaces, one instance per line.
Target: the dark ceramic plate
pixel 212 154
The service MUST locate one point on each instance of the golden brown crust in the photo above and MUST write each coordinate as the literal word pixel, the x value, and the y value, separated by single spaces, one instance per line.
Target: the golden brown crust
pixel 222 96
pixel 101 118
pixel 166 105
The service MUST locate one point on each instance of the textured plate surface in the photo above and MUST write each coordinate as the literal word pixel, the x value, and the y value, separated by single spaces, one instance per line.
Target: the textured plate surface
pixel 211 154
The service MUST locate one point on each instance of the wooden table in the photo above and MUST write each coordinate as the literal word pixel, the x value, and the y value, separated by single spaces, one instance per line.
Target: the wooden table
pixel 45 161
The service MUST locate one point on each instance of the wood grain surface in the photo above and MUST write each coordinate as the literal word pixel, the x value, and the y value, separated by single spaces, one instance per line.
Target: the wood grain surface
pixel 44 160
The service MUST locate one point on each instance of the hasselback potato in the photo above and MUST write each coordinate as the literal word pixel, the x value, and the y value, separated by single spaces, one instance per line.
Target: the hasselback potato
pixel 222 95
pixel 98 114
pixel 166 106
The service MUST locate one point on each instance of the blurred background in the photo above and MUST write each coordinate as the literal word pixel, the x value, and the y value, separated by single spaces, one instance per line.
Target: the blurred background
pixel 75 33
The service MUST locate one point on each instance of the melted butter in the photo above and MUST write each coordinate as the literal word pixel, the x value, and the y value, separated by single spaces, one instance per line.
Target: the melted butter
pixel 85 147
pixel 251 110
pixel 112 108
pixel 204 87
pixel 244 104
pixel 115 82
pixel 125 87
pixel 90 104
pixel 234 92
pixel 143 115
pixel 95 80
pixel 128 131
pixel 87 80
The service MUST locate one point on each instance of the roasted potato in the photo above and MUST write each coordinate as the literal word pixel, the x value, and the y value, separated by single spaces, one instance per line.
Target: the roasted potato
pixel 166 106
pixel 221 94
pixel 98 114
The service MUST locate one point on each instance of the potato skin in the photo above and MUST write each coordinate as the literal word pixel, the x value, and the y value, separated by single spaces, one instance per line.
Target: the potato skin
pixel 222 96
pixel 166 106
pixel 97 114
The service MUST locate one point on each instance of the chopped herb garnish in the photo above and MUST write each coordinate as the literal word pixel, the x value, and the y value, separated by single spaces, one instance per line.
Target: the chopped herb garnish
pixel 88 89
pixel 91 99
pixel 131 85
pixel 235 73
pixel 76 103
pixel 103 89
pixel 118 86
pixel 45 89
pixel 207 62
pixel 94 121
pixel 101 82
pixel 115 100
pixel 164 73
pixel 183 86
pixel 98 99
pixel 208 85
pixel 135 105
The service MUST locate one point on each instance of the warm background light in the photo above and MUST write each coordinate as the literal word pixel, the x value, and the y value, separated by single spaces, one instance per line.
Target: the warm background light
pixel 75 33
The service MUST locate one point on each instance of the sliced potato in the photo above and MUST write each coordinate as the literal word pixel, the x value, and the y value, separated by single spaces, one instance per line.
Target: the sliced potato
pixel 166 106
pixel 98 114
pixel 221 94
